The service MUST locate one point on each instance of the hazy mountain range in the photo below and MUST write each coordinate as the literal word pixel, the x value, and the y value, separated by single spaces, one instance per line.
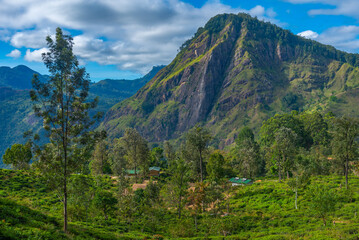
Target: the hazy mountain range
pixel 16 115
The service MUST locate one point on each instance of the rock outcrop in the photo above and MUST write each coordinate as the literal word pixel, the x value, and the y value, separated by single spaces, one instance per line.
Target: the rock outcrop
pixel 235 71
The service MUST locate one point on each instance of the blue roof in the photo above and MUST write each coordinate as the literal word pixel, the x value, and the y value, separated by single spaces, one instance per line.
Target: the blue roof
pixel 155 169
pixel 240 180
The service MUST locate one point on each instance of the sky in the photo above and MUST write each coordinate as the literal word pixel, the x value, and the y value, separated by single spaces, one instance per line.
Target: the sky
pixel 123 39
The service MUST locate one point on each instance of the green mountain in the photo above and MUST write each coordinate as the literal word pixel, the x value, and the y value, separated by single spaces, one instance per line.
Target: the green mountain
pixel 112 91
pixel 18 77
pixel 16 115
pixel 238 71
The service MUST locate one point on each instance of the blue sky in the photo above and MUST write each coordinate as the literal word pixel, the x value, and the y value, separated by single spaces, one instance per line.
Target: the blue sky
pixel 123 39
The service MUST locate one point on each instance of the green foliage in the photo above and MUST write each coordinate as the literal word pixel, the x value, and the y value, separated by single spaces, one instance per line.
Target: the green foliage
pixel 152 193
pixel 169 152
pixel 323 200
pixel 217 23
pixel 247 162
pixel 316 126
pixel 178 184
pixel 290 121
pixel 16 106
pixel 137 152
pixel 21 222
pixel 18 156
pixel 100 163
pixel 265 70
pixel 291 102
pixel 157 158
pixel 105 201
pixel 262 210
pixel 216 167
pixel 118 160
pixel 345 143
pixel 197 140
pixel 62 104
pixel 298 144
pixel 81 190
pixel 284 150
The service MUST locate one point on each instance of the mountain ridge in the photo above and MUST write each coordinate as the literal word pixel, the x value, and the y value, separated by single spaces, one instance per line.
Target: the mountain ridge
pixel 236 71
pixel 18 77
pixel 16 114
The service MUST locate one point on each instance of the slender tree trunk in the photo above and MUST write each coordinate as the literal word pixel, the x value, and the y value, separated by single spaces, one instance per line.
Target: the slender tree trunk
pixel 179 207
pixel 105 213
pixel 195 222
pixel 64 130
pixel 346 173
pixel 180 199
pixel 287 174
pixel 344 169
pixel 296 192
pixel 65 191
pixel 201 164
pixel 65 206
pixel 279 175
pixel 102 159
pixel 228 206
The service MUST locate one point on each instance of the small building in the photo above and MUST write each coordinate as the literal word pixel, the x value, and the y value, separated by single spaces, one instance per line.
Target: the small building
pixel 131 172
pixel 154 171
pixel 236 181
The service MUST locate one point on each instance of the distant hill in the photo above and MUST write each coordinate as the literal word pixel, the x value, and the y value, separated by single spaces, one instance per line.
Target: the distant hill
pixel 238 71
pixel 18 77
pixel 124 88
pixel 112 91
pixel 16 115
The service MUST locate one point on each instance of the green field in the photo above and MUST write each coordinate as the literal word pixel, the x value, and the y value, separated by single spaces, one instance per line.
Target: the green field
pixel 264 210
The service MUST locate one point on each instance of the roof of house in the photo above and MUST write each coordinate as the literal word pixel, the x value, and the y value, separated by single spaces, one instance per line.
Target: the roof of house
pixel 155 169
pixel 240 180
pixel 132 171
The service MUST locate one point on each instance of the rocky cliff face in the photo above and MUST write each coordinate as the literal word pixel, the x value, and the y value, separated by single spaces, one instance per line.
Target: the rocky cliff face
pixel 235 71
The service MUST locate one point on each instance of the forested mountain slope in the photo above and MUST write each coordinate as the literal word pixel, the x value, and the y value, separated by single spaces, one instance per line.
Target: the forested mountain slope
pixel 17 116
pixel 238 71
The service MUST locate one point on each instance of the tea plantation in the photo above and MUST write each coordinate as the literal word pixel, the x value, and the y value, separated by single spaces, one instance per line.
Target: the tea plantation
pixel 265 210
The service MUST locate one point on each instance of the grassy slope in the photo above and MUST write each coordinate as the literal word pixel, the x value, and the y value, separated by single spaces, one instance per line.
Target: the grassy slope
pixel 28 209
pixel 264 210
pixel 269 207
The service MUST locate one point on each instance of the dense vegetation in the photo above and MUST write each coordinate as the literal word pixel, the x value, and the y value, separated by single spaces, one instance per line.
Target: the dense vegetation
pixel 238 71
pixel 298 169
pixel 311 200
pixel 16 115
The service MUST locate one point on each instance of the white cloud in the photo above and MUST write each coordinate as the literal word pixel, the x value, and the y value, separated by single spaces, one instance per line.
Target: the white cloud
pixel 30 39
pixel 257 11
pixel 343 37
pixel 309 34
pixel 14 54
pixel 341 7
pixel 35 56
pixel 132 34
